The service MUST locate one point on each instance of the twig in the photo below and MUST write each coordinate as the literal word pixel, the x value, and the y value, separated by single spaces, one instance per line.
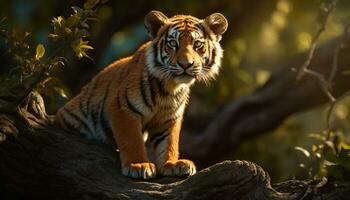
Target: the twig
pixel 325 84
pixel 304 68
pixel 341 45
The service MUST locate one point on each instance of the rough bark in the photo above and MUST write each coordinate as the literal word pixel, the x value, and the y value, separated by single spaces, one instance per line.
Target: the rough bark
pixel 38 160
pixel 267 107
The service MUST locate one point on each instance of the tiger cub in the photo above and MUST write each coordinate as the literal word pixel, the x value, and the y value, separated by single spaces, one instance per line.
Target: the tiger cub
pixel 147 93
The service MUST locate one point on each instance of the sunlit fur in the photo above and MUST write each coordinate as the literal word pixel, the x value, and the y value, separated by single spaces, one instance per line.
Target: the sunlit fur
pixel 185 30
pixel 146 95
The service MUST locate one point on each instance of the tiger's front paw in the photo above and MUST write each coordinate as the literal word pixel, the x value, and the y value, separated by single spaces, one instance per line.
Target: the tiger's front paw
pixel 144 170
pixel 181 167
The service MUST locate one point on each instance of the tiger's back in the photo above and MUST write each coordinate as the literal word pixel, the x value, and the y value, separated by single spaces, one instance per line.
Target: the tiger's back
pixel 86 113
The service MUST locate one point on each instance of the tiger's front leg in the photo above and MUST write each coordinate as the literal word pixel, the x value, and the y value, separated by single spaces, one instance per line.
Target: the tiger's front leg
pixel 127 131
pixel 166 148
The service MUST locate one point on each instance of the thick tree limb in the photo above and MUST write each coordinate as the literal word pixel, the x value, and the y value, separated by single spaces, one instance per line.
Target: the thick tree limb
pixel 40 161
pixel 269 106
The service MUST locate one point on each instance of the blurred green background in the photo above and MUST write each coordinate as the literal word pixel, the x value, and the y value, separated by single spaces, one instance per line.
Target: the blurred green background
pixel 261 36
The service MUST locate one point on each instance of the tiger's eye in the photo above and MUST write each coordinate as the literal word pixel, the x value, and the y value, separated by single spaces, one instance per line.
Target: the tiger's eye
pixel 172 43
pixel 197 44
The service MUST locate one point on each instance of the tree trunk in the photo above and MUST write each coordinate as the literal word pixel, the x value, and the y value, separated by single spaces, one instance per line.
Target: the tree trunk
pixel 38 160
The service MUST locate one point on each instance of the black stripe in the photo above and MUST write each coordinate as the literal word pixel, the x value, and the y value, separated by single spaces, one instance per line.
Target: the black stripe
pixel 89 98
pixel 155 55
pixel 177 26
pixel 199 27
pixel 165 48
pixel 77 119
pixel 106 126
pixel 153 136
pixel 71 128
pixel 207 59
pixel 205 34
pixel 182 97
pixel 161 87
pixel 212 62
pixel 190 20
pixel 103 121
pixel 158 140
pixel 161 49
pixel 155 139
pixel 171 120
pixel 130 105
pixel 68 124
pixel 143 93
pixel 107 129
pixel 105 95
pixel 94 118
pixel 96 113
pixel 81 107
pixel 151 88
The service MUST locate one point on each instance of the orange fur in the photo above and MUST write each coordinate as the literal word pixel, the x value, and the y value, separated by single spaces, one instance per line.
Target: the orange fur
pixel 148 92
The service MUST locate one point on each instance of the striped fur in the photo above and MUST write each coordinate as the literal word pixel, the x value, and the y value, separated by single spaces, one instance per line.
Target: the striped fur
pixel 148 92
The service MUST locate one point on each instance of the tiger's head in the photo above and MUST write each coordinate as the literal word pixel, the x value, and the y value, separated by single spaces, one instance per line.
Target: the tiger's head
pixel 184 49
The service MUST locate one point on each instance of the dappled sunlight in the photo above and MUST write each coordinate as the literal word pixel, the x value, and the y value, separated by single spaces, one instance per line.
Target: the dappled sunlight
pixel 265 44
pixel 304 41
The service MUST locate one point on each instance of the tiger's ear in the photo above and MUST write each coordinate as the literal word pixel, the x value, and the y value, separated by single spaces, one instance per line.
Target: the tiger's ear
pixel 154 20
pixel 217 23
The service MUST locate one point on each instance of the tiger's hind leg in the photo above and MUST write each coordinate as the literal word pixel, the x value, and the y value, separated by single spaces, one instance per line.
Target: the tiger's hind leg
pixel 166 148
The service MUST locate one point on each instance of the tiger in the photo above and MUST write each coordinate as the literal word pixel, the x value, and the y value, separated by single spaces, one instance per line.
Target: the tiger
pixel 141 99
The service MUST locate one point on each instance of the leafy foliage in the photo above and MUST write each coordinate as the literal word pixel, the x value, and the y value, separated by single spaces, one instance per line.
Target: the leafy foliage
pixel 67 35
pixel 330 157
pixel 72 31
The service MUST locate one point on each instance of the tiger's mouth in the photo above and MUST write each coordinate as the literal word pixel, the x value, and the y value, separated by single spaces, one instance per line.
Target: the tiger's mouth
pixel 184 78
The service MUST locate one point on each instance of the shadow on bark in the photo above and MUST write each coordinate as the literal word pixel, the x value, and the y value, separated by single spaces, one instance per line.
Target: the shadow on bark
pixel 38 160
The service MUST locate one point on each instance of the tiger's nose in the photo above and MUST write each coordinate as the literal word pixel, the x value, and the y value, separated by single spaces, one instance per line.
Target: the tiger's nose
pixel 185 63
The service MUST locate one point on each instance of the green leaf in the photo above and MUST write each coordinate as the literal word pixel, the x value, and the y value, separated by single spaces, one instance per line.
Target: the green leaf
pixel 40 51
pixel 58 21
pixel 304 151
pixel 80 48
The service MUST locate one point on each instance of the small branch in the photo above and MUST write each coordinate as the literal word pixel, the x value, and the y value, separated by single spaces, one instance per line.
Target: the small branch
pixel 325 86
pixel 304 67
pixel 341 45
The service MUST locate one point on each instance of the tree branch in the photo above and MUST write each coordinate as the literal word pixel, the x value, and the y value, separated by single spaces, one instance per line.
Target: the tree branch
pixel 43 162
pixel 267 107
